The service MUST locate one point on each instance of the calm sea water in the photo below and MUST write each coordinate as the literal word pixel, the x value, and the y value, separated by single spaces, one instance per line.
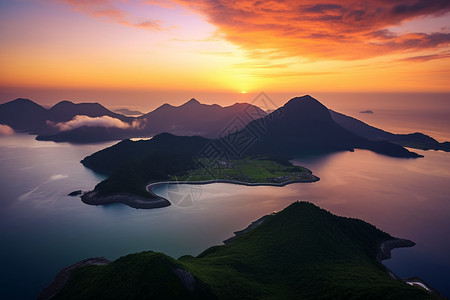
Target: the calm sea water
pixel 42 230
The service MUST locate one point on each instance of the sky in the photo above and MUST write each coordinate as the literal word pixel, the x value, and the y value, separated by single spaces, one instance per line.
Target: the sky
pixel 126 51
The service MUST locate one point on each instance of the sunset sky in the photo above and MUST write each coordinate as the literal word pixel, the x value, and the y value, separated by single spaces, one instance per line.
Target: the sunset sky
pixel 66 48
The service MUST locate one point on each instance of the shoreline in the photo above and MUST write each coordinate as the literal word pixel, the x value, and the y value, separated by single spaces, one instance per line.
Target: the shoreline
pixel 384 253
pixel 155 201
pixel 133 201
pixel 150 186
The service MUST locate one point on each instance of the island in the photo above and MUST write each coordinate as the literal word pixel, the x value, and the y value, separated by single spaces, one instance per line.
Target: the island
pixel 301 252
pixel 256 154
pixel 250 170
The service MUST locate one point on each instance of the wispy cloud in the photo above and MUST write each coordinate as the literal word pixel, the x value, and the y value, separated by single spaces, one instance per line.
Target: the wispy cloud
pixel 103 121
pixel 106 9
pixel 423 58
pixel 332 29
pixel 6 130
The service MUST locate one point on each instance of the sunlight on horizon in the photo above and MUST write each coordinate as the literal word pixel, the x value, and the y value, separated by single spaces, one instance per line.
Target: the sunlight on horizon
pixel 175 45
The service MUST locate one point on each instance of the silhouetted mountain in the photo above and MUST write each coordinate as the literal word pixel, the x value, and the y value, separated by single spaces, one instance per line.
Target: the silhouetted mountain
pixel 128 112
pixel 191 118
pixel 26 115
pixel 194 118
pixel 301 126
pixel 23 115
pixel 65 111
pixel 413 140
pixel 304 125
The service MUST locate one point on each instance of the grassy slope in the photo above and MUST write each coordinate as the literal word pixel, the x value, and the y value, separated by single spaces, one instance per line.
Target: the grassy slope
pixel 133 177
pixel 302 252
pixel 255 169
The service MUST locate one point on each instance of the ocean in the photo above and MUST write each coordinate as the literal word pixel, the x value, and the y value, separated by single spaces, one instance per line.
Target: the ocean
pixel 43 230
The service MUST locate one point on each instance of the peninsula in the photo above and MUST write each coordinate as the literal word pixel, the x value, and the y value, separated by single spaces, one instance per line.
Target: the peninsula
pixel 251 171
pixel 302 252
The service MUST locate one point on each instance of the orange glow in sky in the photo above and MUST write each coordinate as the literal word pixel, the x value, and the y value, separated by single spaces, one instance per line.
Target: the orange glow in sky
pixel 225 46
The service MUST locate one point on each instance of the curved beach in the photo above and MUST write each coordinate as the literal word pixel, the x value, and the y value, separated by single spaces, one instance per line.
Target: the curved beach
pixel 204 182
pixel 156 201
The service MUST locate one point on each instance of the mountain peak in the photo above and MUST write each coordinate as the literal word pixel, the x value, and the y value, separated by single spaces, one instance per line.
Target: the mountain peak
pixel 63 103
pixel 193 101
pixel 22 100
pixel 305 98
pixel 307 106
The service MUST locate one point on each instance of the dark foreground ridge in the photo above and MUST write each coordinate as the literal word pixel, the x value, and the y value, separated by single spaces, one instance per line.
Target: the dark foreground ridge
pixel 63 276
pixel 302 252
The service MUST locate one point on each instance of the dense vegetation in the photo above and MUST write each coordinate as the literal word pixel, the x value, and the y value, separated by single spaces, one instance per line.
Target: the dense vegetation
pixel 133 177
pixel 302 252
pixel 251 169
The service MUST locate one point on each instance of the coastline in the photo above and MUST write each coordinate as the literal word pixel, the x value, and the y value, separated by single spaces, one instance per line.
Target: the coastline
pixel 385 253
pixel 155 201
pixel 134 201
pixel 387 246
pixel 150 186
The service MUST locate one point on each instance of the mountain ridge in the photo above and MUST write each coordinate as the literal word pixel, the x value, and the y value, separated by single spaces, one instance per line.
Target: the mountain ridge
pixel 413 140
pixel 304 125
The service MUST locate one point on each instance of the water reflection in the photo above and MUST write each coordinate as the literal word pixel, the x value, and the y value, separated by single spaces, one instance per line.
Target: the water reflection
pixel 47 230
pixel 407 198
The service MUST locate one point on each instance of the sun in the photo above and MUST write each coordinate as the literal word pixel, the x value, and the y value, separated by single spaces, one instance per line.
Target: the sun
pixel 243 92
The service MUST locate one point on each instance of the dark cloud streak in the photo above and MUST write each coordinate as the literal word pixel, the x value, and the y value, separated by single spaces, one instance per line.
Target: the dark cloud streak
pixel 344 30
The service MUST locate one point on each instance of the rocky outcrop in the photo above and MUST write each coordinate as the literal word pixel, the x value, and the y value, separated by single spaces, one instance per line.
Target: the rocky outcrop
pixel 135 201
pixel 387 246
pixel 63 276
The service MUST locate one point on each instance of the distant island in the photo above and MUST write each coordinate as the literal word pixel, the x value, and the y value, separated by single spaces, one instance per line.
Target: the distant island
pixel 367 111
pixel 412 140
pixel 91 122
pixel 302 126
pixel 302 252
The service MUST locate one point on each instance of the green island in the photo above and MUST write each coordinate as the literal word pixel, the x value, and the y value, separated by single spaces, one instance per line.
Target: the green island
pixel 132 183
pixel 302 252
pixel 254 169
